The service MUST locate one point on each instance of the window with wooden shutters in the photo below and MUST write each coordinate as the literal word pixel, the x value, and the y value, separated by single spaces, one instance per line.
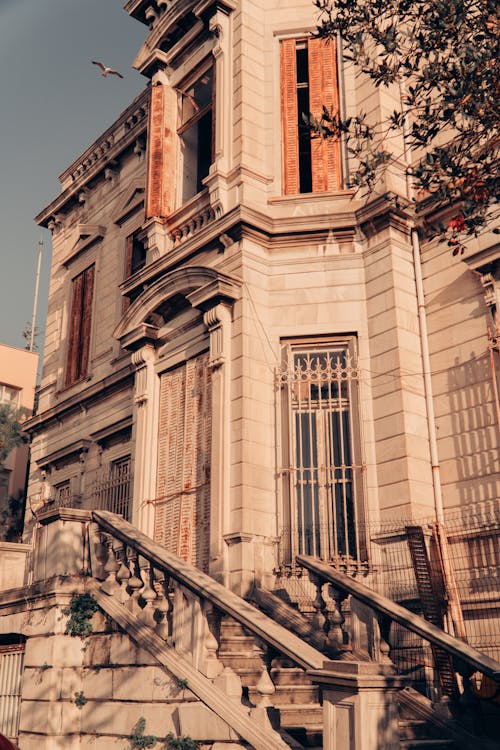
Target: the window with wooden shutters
pixel 80 326
pixel 309 81
pixel 182 512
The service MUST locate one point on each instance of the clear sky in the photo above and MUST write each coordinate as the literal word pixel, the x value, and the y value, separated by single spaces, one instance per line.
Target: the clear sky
pixel 54 103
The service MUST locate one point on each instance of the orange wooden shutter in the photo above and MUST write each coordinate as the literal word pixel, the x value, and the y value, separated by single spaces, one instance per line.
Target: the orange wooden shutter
pixel 289 116
pixel 72 362
pixel 182 517
pixel 323 90
pixel 88 295
pixel 161 152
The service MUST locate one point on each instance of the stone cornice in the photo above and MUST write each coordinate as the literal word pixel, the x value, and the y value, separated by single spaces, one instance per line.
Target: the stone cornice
pixel 130 125
pixel 83 398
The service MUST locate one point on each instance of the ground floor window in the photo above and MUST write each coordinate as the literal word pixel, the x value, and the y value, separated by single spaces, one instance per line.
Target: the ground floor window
pixel 182 508
pixel 321 468
pixel 11 674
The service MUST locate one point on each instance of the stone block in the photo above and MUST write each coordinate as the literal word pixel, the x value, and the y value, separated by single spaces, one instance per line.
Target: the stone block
pixel 165 687
pixel 97 684
pixel 200 723
pixel 42 683
pixel 57 650
pixel 41 715
pixel 119 718
pixel 122 650
pixel 71 682
pixel 133 683
pixel 98 650
pixel 51 742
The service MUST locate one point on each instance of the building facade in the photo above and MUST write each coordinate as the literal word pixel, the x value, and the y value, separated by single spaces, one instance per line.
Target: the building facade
pixel 246 360
pixel 18 369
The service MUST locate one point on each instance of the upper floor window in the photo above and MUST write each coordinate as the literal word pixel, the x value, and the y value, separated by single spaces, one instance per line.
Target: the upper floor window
pixel 135 259
pixel 196 132
pixel 82 292
pixel 9 395
pixel 308 82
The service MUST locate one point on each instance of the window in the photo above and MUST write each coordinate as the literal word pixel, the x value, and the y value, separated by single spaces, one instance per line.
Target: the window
pixel 112 490
pixel 135 259
pixel 11 676
pixel 80 324
pixel 308 82
pixel 321 466
pixel 9 395
pixel 196 132
pixel 182 507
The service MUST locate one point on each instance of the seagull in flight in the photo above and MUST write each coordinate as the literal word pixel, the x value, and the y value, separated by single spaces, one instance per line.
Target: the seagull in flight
pixel 105 70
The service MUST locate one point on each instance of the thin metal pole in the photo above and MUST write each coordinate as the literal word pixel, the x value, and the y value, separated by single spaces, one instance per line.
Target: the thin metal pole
pixel 35 301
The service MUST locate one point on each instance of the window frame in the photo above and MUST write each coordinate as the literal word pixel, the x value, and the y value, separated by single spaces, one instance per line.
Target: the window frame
pixel 184 126
pixel 330 481
pixel 80 331
pixel 325 171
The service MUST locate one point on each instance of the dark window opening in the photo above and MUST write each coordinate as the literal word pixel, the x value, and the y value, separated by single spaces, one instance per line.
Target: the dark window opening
pixel 196 133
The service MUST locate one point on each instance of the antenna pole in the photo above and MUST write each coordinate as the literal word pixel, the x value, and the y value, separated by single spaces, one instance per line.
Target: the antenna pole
pixel 35 302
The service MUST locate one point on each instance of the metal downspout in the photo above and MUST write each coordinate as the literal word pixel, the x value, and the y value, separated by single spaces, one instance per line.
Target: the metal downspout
pixel 426 367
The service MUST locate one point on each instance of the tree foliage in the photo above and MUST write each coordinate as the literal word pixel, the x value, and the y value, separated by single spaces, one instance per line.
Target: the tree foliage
pixel 443 57
pixel 11 431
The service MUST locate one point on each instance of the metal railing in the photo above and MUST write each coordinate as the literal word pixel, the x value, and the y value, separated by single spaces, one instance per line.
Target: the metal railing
pixel 11 672
pixel 112 491
pixel 462 674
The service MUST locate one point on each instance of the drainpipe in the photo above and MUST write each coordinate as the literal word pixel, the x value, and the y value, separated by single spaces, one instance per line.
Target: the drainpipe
pixel 426 366
pixel 422 325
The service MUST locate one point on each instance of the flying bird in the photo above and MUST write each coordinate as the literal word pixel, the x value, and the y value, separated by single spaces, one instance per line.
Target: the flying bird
pixel 105 70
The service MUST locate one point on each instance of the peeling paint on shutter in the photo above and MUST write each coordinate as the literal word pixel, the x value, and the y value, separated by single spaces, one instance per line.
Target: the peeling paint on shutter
pixel 88 295
pixel 323 91
pixel 289 115
pixel 161 152
pixel 74 330
pixel 182 518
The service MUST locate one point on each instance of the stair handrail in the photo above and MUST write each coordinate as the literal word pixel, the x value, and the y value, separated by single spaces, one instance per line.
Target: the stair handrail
pixel 458 649
pixel 205 587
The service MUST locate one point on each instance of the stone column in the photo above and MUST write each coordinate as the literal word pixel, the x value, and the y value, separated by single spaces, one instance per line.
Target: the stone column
pixel 146 425
pixel 360 710
pixel 218 322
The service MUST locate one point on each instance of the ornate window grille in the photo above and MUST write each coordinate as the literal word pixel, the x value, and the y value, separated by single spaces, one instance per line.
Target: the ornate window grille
pixel 11 673
pixel 113 489
pixel 322 471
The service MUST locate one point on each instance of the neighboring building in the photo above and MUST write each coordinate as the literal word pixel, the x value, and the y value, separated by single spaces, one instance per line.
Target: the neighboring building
pixel 238 362
pixel 18 369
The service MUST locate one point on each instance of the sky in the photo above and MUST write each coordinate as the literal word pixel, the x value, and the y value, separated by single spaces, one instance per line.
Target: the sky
pixel 54 103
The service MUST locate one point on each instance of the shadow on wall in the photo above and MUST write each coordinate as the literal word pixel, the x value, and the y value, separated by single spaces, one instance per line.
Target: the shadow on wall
pixel 474 431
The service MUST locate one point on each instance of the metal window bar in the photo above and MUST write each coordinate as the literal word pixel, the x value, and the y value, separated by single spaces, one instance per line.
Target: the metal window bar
pixel 113 490
pixel 11 672
pixel 322 473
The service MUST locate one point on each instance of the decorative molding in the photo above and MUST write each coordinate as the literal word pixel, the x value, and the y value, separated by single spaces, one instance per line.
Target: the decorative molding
pixel 215 319
pixel 130 202
pixel 99 436
pixel 79 447
pixel 88 234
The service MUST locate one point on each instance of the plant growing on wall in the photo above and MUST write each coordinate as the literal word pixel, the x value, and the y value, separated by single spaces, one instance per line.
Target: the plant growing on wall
pixel 80 611
pixel 11 431
pixel 138 739
pixel 441 59
pixel 180 743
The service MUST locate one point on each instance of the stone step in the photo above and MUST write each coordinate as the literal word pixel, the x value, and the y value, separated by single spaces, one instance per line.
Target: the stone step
pixel 427 744
pixel 414 729
pixel 295 695
pixel 289 676
pixel 306 715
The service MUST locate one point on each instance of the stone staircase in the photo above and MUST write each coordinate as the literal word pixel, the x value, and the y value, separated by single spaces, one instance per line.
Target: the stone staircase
pixel 291 691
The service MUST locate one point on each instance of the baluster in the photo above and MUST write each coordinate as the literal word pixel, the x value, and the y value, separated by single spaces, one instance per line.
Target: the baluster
pixel 319 618
pixel 123 573
pixel 384 625
pixel 213 666
pixel 135 583
pixel 336 635
pixel 162 603
pixel 265 688
pixel 110 585
pixel 148 595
